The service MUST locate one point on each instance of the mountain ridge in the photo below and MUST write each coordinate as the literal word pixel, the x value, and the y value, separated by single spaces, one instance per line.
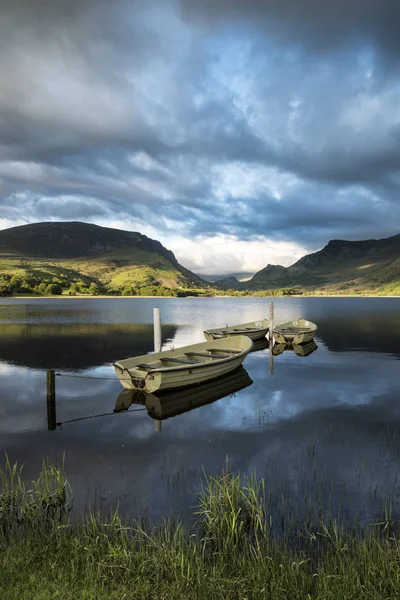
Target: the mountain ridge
pixel 340 264
pixel 70 244
pixel 112 258
pixel 84 255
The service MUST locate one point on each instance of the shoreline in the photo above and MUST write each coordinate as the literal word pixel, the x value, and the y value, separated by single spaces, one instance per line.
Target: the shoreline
pixel 103 296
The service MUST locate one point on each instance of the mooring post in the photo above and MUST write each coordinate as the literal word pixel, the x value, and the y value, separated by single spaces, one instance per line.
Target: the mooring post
pixel 271 337
pixel 51 385
pixel 51 399
pixel 157 329
pixel 157 425
pixel 271 321
pixel 271 356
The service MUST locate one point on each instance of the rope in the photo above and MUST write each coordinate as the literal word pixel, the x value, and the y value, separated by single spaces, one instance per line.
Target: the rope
pixel 60 423
pixel 91 377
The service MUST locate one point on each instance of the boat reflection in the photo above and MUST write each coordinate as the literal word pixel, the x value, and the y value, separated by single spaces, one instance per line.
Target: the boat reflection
pixel 300 349
pixel 163 405
pixel 259 345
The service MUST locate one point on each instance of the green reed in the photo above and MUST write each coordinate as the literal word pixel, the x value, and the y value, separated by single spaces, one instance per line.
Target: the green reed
pixel 39 504
pixel 230 552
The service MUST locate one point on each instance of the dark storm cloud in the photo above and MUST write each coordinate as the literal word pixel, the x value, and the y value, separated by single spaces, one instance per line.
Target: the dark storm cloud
pixel 317 24
pixel 253 118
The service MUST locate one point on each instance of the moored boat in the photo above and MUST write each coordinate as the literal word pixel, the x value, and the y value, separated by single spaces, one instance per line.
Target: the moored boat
pixel 295 332
pixel 163 405
pixel 255 330
pixel 185 366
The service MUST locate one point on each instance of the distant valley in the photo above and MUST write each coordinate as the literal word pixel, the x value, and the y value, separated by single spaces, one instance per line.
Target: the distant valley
pixel 238 276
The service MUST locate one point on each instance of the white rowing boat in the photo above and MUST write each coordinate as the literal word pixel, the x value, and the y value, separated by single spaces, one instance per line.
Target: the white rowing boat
pixel 163 405
pixel 255 330
pixel 182 367
pixel 295 332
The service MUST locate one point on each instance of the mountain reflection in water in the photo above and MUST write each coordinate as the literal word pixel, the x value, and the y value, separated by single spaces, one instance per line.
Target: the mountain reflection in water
pixel 75 346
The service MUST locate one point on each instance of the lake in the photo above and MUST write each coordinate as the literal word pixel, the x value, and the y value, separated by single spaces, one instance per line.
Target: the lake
pixel 323 429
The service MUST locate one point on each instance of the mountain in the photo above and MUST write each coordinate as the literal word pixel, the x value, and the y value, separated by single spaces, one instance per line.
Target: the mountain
pixel 241 276
pixel 73 240
pixel 76 257
pixel 365 266
pixel 110 258
pixel 229 283
pixel 339 251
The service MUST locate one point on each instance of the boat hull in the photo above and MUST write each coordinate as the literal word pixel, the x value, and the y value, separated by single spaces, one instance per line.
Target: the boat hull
pixel 295 332
pixel 299 338
pixel 164 405
pixel 255 330
pixel 132 376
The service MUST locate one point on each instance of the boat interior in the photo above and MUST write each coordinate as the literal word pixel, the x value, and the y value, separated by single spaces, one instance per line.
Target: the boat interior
pixel 293 329
pixel 238 329
pixel 188 358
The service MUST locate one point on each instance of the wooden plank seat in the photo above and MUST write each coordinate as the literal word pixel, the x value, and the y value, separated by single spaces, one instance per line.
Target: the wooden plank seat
pixel 206 355
pixel 293 330
pixel 224 350
pixel 144 366
pixel 180 360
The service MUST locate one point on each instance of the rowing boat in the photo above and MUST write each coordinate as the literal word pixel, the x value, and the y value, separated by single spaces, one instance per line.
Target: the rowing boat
pixel 255 330
pixel 163 405
pixel 295 332
pixel 304 349
pixel 182 367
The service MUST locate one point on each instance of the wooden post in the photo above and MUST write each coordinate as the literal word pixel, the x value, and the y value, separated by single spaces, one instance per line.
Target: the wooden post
pixel 51 399
pixel 157 425
pixel 271 356
pixel 271 321
pixel 157 329
pixel 271 337
pixel 51 385
pixel 51 416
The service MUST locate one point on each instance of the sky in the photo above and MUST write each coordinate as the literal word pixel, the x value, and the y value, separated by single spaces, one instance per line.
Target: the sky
pixel 237 133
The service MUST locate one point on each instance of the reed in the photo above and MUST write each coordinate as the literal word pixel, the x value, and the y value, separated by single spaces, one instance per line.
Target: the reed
pixel 40 504
pixel 231 551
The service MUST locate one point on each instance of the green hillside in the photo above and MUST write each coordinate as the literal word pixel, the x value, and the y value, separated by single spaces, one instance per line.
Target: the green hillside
pixel 75 257
pixel 371 266
pixel 80 258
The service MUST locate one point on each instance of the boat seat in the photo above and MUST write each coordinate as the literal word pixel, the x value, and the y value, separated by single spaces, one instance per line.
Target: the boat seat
pixel 293 330
pixel 180 360
pixel 206 355
pixel 246 329
pixel 144 366
pixel 224 350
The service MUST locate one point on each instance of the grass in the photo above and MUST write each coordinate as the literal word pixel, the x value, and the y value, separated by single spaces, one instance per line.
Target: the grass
pixel 135 268
pixel 229 552
pixel 357 277
pixel 114 270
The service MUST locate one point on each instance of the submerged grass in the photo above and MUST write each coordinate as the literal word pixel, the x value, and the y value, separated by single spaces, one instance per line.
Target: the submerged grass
pixel 231 552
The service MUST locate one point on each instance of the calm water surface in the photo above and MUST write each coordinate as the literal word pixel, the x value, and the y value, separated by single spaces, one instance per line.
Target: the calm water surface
pixel 323 429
